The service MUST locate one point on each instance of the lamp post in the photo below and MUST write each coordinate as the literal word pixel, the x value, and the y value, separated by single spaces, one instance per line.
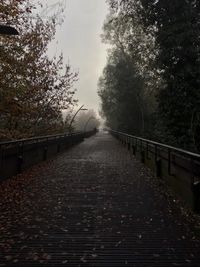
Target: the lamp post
pixel 86 124
pixel 81 108
pixel 8 30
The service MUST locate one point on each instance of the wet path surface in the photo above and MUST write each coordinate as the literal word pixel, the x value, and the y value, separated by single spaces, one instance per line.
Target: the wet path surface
pixel 93 205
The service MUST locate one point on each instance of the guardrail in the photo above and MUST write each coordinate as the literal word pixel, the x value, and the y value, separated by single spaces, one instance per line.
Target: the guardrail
pixel 17 156
pixel 179 168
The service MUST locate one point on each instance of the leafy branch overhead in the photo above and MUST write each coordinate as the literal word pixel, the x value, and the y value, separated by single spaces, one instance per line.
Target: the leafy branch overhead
pixel 34 88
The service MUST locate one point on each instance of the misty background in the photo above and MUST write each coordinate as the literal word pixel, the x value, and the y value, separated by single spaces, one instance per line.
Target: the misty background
pixel 78 38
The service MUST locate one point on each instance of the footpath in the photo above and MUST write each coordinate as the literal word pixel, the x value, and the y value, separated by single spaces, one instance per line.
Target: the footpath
pixel 93 205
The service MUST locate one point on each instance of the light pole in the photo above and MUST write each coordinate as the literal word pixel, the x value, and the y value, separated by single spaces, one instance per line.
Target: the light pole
pixel 8 30
pixel 81 108
pixel 86 124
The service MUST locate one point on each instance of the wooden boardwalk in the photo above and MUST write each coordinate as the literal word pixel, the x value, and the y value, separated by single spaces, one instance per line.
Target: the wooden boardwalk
pixel 93 205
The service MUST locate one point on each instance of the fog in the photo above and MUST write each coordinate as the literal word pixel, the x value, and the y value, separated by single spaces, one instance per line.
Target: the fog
pixel 78 38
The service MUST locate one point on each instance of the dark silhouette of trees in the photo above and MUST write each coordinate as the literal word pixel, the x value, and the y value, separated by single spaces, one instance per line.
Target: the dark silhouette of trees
pixel 159 42
pixel 127 86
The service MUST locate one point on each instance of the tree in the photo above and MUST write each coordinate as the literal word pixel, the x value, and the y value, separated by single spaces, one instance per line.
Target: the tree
pixel 121 89
pixel 161 40
pixel 177 36
pixel 33 88
pixel 128 82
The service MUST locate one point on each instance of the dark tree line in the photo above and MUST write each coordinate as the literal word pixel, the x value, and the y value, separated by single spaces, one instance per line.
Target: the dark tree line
pixel 151 83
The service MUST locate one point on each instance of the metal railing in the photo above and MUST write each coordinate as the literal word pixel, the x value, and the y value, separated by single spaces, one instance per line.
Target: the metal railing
pixel 18 155
pixel 180 168
pixel 36 139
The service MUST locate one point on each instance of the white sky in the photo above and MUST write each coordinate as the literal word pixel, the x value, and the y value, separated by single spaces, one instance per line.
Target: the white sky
pixel 79 40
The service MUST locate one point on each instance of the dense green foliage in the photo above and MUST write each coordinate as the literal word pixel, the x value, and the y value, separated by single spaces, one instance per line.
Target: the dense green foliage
pixel 151 83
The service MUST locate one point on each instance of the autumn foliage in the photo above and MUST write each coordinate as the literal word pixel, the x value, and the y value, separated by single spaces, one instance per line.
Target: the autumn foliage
pixel 34 89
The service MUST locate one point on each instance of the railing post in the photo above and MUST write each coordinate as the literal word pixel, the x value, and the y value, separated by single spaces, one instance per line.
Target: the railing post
pixel 1 159
pixel 142 152
pixel 20 159
pixel 196 196
pixel 158 163
pixel 45 153
pixel 158 168
pixel 122 139
pixel 129 144
pixel 133 147
pixel 143 156
pixel 136 147
pixel 58 148
pixel 19 164
pixel 147 151
pixel 169 164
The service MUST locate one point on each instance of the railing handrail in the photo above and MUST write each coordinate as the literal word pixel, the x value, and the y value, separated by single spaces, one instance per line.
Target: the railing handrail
pixel 39 138
pixel 175 149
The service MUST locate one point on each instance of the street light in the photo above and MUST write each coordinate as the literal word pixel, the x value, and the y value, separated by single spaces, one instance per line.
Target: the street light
pixel 8 30
pixel 90 118
pixel 81 108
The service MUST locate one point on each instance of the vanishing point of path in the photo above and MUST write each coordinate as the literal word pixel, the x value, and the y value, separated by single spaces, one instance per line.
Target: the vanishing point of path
pixel 93 205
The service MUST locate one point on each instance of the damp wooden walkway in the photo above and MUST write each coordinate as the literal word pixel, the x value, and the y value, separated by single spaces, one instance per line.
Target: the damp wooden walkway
pixel 93 205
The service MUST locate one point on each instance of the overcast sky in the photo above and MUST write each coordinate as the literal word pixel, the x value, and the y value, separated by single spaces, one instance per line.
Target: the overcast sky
pixel 79 40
